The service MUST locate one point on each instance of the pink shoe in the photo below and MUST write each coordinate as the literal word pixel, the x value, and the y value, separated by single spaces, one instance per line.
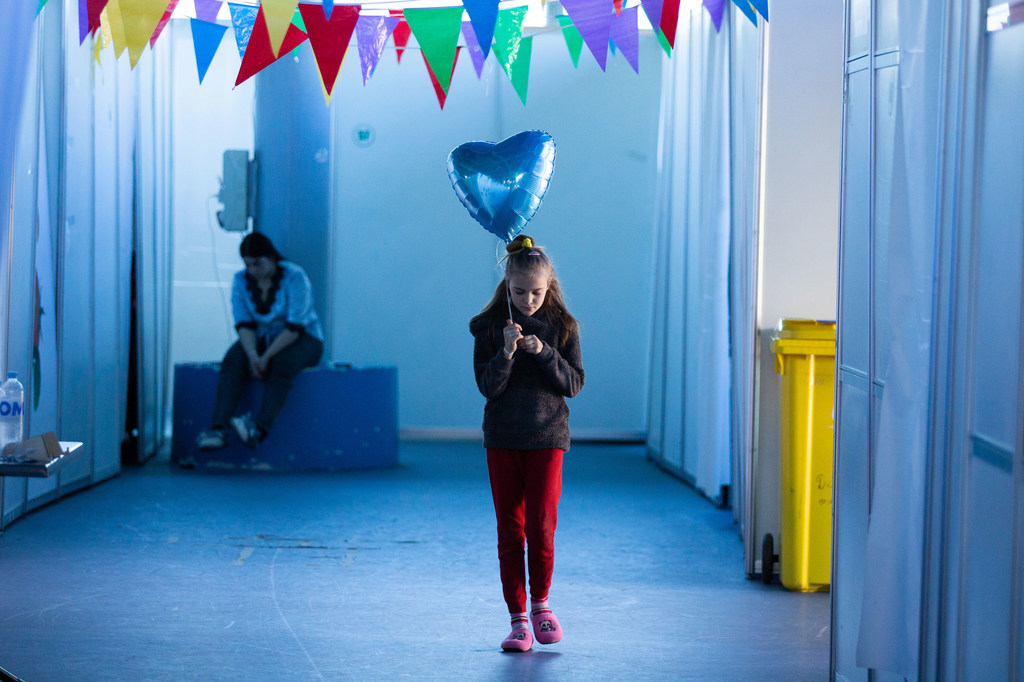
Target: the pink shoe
pixel 519 639
pixel 545 626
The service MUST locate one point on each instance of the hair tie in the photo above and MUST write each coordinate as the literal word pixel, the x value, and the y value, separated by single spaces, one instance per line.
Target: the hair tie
pixel 527 243
pixel 533 253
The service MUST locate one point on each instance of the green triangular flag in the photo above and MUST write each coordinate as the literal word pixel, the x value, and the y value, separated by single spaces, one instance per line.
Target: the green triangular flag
pixel 664 42
pixel 40 7
pixel 301 25
pixel 437 31
pixel 573 38
pixel 508 34
pixel 519 71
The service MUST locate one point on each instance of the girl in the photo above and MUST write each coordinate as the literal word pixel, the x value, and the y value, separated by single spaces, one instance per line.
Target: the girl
pixel 279 334
pixel 527 361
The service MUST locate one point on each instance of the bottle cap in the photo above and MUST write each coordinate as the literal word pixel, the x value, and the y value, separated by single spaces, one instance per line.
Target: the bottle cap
pixel 12 375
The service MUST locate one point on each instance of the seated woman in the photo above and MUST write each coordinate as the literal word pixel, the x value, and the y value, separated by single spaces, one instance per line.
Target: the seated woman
pixel 279 334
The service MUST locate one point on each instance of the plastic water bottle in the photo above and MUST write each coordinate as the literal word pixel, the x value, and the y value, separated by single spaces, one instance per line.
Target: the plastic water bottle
pixel 12 403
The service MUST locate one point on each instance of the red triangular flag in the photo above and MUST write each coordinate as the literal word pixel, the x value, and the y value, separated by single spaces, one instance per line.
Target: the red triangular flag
pixel 94 9
pixel 329 37
pixel 258 53
pixel 442 96
pixel 669 20
pixel 618 7
pixel 400 34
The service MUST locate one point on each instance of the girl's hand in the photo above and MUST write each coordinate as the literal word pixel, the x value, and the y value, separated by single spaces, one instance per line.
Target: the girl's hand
pixel 513 333
pixel 261 363
pixel 531 344
pixel 256 366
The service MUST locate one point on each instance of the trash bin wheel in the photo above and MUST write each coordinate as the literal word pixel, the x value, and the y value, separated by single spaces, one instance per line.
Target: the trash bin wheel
pixel 767 559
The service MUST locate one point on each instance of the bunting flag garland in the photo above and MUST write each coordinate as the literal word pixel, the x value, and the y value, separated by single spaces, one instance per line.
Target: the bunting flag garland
pixel 475 52
pixel 207 10
pixel 206 38
pixel 131 24
pixel 437 32
pixel 593 19
pixel 573 39
pixel 716 8
pixel 400 33
pixel 626 36
pixel 483 15
pixel 243 17
pixel 442 95
pixel 163 22
pixel 747 9
pixel 278 15
pixel 40 7
pixel 668 23
pixel 508 34
pixel 329 38
pixel 372 33
pixel 258 52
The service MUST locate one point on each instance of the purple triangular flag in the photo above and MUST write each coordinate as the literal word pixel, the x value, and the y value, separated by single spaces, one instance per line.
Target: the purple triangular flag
pixel 483 14
pixel 626 37
pixel 652 8
pixel 243 17
pixel 206 38
pixel 83 20
pixel 372 32
pixel 473 46
pixel 206 10
pixel 593 19
pixel 716 8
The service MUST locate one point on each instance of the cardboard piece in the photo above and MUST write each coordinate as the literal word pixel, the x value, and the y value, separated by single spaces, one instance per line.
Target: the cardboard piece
pixel 37 457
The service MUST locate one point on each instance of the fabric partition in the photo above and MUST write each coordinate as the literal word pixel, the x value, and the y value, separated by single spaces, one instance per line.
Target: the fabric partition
pixel 890 618
pixel 16 36
pixel 690 377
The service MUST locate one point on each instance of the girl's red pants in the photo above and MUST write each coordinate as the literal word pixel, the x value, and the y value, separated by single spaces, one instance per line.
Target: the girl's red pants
pixel 526 486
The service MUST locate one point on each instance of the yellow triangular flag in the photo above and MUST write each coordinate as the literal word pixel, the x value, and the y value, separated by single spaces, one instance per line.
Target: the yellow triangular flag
pixel 96 47
pixel 105 34
pixel 116 24
pixel 278 14
pixel 140 20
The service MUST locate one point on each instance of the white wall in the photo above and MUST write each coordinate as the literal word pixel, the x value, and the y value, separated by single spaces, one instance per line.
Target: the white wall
pixel 411 267
pixel 802 100
pixel 206 119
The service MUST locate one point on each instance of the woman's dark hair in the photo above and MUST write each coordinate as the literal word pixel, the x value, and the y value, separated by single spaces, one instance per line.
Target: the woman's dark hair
pixel 523 256
pixel 258 245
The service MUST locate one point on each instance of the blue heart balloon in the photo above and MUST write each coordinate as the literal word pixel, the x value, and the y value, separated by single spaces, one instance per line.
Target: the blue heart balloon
pixel 502 185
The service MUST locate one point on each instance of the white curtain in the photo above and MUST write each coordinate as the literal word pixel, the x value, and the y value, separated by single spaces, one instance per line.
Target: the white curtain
pixel 889 627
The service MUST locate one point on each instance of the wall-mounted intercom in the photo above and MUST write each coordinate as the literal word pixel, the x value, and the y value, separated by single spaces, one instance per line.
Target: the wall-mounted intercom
pixel 237 191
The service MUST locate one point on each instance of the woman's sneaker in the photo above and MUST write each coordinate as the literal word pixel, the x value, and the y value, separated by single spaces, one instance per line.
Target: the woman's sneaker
pixel 212 439
pixel 248 431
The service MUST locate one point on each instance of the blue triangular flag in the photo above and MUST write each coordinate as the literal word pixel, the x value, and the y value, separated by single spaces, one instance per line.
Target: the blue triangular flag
pixel 483 14
pixel 328 8
pixel 206 38
pixel 243 17
pixel 762 7
pixel 748 9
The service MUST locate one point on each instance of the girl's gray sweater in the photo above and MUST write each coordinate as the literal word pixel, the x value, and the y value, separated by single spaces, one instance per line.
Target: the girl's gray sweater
pixel 526 395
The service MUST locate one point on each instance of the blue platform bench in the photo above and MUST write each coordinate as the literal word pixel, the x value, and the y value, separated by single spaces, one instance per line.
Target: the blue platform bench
pixel 336 417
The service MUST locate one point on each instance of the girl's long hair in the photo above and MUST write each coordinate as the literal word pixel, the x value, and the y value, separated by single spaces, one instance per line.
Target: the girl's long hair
pixel 258 245
pixel 532 259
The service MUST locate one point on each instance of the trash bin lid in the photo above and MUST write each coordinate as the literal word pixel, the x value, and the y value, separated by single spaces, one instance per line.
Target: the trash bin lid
pixel 795 336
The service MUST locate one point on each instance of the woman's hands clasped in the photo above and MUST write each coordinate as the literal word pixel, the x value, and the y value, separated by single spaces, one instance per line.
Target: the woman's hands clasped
pixel 514 340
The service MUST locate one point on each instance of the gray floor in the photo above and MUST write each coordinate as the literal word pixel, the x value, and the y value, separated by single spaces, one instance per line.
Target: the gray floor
pixel 167 574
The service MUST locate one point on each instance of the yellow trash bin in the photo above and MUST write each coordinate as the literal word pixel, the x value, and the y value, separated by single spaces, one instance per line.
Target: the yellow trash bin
pixel 805 358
